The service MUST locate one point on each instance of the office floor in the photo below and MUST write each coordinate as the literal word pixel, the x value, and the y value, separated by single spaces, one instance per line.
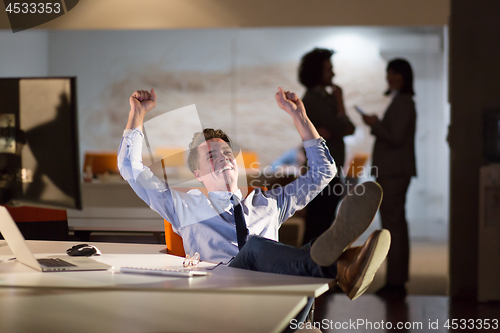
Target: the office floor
pixel 428 269
pixel 416 312
pixel 426 300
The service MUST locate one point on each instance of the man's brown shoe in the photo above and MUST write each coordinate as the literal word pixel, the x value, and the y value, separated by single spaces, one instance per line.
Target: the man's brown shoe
pixel 355 213
pixel 357 266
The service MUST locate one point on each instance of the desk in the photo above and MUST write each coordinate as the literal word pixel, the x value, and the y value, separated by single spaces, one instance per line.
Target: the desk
pixel 230 300
pixel 49 310
pixel 223 279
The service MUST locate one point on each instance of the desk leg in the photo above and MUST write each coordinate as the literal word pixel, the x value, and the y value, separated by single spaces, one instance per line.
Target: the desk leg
pixel 311 311
pixel 304 314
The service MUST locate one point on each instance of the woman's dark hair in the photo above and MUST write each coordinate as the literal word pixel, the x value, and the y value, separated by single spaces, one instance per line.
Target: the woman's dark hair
pixel 403 67
pixel 311 67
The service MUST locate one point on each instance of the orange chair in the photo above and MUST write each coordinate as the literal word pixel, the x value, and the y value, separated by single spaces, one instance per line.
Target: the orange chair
pixel 101 162
pixel 356 167
pixel 174 242
pixel 172 156
pixel 250 159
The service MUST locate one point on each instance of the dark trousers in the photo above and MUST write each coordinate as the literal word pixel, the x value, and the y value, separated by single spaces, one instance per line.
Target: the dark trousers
pixel 393 214
pixel 265 255
pixel 321 210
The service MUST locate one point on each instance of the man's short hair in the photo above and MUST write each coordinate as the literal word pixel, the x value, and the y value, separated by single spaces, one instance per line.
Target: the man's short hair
pixel 198 139
pixel 311 67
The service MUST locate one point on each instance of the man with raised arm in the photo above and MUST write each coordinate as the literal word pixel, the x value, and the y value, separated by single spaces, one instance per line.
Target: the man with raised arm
pixel 224 225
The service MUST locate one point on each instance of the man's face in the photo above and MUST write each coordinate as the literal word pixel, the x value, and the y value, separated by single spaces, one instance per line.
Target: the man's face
pixel 217 168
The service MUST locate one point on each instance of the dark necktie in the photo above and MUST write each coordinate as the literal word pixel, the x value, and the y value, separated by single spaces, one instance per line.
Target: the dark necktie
pixel 239 218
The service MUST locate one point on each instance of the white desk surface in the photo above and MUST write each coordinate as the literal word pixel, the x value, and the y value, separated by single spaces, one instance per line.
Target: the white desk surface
pixel 223 279
pixel 49 310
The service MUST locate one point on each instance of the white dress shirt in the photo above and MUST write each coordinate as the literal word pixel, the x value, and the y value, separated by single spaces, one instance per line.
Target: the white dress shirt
pixel 206 223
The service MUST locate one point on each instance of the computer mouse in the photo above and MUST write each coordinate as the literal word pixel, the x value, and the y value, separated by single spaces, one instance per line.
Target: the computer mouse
pixel 83 250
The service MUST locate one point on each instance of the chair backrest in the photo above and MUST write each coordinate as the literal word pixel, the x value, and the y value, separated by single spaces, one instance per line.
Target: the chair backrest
pixel 357 165
pixel 250 158
pixel 172 156
pixel 174 242
pixel 100 162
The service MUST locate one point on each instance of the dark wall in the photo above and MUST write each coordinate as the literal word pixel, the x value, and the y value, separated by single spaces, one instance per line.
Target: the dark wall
pixel 474 86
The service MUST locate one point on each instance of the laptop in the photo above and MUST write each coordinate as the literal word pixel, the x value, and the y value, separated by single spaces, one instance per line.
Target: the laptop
pixel 18 246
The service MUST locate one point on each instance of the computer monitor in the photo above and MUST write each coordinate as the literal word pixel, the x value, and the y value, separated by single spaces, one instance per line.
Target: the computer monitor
pixel 39 158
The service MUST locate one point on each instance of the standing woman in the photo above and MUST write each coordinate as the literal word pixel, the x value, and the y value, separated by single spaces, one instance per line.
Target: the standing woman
pixel 393 166
pixel 326 111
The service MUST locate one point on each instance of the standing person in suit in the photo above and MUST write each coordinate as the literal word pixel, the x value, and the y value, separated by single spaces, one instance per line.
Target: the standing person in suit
pixel 393 166
pixel 327 112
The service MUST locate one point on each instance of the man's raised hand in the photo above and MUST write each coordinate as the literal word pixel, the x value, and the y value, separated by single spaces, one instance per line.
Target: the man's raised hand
pixel 289 101
pixel 292 104
pixel 143 100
